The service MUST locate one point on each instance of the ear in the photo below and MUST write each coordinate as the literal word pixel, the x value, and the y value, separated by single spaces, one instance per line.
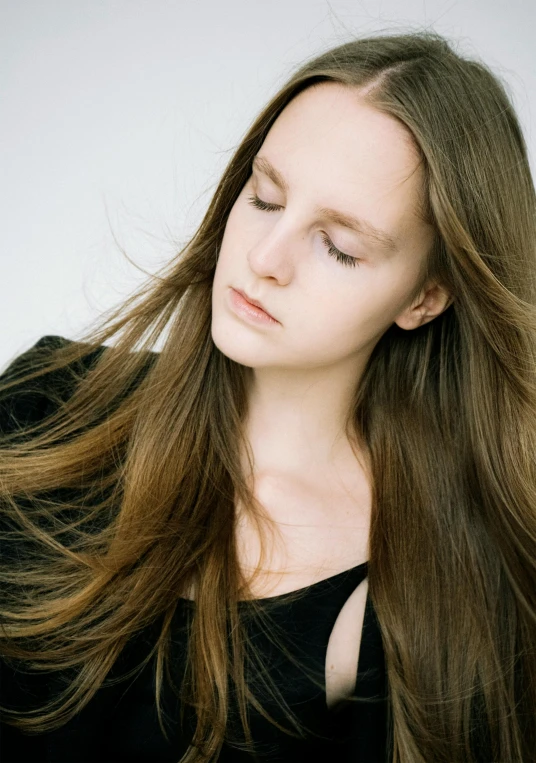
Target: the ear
pixel 431 301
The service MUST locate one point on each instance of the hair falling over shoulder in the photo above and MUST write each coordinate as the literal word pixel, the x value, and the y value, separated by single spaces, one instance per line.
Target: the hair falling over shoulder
pixel 152 441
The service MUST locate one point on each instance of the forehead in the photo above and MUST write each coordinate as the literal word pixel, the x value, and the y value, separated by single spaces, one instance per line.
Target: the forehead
pixel 328 125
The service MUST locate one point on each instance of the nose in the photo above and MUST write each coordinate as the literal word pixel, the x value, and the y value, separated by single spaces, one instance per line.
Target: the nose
pixel 274 253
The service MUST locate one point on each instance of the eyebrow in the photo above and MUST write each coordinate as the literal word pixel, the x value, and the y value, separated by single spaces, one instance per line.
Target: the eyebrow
pixel 363 227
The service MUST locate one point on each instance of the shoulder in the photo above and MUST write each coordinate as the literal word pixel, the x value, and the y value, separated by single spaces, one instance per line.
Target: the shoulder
pixel 30 400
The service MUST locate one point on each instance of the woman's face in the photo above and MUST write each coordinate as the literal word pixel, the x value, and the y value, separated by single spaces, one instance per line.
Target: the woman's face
pixel 330 151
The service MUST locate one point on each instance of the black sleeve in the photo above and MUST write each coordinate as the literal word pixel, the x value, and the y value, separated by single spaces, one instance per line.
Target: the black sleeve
pixel 21 406
pixel 34 400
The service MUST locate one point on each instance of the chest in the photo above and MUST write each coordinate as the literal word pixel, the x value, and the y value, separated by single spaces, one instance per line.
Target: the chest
pixel 307 532
pixel 311 532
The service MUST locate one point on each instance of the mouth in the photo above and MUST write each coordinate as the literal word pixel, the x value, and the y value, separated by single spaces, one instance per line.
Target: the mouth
pixel 254 302
pixel 254 307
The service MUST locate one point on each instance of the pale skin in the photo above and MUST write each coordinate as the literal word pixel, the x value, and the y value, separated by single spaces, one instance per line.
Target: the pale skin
pixel 333 151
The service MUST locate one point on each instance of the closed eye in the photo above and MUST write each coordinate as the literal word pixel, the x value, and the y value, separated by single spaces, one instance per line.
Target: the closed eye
pixel 332 250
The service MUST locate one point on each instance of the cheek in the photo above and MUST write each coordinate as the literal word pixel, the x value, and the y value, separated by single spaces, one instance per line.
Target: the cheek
pixel 226 254
pixel 347 319
pixel 240 217
pixel 331 323
pixel 235 236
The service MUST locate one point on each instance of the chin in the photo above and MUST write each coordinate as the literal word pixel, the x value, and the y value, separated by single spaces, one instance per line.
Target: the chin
pixel 243 347
pixel 230 341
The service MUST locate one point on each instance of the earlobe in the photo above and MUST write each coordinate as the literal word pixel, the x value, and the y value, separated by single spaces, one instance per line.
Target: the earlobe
pixel 412 318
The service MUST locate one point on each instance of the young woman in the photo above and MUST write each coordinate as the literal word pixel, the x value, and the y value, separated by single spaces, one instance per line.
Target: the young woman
pixel 305 529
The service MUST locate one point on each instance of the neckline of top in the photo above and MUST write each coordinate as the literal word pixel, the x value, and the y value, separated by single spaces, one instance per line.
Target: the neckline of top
pixel 319 583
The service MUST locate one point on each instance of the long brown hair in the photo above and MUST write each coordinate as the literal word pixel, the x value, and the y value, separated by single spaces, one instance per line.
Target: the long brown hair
pixel 151 442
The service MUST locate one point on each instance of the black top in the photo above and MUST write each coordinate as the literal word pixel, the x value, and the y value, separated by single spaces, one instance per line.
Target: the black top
pixel 120 722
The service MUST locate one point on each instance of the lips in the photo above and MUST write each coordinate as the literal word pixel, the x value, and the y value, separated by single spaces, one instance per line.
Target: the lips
pixel 255 302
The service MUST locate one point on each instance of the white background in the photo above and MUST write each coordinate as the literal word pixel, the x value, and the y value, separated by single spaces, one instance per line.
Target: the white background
pixel 119 116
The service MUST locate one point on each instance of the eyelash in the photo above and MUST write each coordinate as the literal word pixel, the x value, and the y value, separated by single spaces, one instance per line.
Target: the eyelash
pixel 345 259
